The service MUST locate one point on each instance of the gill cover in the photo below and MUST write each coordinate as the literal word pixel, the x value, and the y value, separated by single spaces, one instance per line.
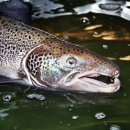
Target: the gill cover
pixel 41 67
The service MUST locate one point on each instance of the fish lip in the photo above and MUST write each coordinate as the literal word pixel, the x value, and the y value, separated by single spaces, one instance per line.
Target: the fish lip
pixel 86 78
pixel 90 74
pixel 95 74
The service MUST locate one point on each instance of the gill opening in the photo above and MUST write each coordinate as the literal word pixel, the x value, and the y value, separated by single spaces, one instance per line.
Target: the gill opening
pixel 36 83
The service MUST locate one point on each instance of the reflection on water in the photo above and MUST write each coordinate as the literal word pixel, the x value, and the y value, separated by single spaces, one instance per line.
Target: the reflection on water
pixel 87 13
pixel 127 58
pixel 93 27
pixel 91 98
pixel 46 8
pixel 110 7
pixel 54 8
pixel 60 100
pixel 101 26
pixel 4 110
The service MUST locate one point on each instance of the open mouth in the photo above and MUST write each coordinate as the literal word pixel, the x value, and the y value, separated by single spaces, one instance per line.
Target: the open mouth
pixel 104 79
pixel 97 82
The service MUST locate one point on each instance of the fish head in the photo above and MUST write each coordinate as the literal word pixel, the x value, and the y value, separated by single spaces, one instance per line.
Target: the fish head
pixel 69 67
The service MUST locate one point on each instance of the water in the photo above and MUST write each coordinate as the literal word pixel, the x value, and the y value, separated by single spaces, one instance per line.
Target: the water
pixel 75 111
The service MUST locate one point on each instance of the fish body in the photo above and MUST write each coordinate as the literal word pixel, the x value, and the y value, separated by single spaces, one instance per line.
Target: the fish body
pixel 40 59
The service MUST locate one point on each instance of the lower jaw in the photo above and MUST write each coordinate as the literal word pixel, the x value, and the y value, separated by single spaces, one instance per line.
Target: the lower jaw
pixel 83 84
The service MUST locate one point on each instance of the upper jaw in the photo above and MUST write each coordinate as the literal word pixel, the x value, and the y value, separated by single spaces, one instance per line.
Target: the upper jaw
pixel 95 74
pixel 79 75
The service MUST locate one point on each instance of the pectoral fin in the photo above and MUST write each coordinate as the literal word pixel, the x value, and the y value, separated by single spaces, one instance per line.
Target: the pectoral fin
pixel 4 80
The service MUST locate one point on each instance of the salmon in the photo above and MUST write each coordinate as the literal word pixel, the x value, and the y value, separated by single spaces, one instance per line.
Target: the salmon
pixel 34 57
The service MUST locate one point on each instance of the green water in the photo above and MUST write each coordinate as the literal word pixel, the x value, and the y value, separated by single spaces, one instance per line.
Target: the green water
pixel 56 112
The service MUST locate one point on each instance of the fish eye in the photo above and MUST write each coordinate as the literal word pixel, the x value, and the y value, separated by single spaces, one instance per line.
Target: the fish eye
pixel 71 62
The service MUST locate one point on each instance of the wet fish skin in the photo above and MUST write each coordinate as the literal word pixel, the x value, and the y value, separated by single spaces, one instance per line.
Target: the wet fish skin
pixel 43 60
pixel 15 40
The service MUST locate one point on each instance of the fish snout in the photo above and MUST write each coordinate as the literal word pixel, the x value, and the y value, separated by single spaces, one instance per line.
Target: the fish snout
pixel 113 71
pixel 116 72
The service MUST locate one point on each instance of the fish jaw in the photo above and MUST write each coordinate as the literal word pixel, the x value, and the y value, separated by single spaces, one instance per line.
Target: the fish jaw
pixel 82 82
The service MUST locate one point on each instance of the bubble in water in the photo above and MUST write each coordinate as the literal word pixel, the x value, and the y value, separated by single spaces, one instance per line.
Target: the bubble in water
pixel 84 19
pixel 96 34
pixel 115 127
pixel 110 7
pixel 70 109
pixel 125 94
pixel 94 17
pixel 105 46
pixel 36 96
pixel 68 124
pixel 71 105
pixel 66 37
pixel 105 122
pixel 75 117
pixel 7 98
pixel 15 127
pixel 100 115
pixel 40 97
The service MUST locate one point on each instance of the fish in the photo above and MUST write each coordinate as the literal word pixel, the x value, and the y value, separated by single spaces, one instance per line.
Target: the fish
pixel 36 58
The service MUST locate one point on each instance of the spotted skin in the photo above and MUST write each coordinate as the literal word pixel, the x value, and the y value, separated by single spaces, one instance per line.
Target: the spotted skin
pixel 42 58
pixel 15 40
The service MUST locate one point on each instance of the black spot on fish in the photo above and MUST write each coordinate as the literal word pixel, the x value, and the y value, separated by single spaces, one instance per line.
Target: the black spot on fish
pixel 38 35
pixel 40 59
pixel 29 37
pixel 16 29
pixel 82 51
